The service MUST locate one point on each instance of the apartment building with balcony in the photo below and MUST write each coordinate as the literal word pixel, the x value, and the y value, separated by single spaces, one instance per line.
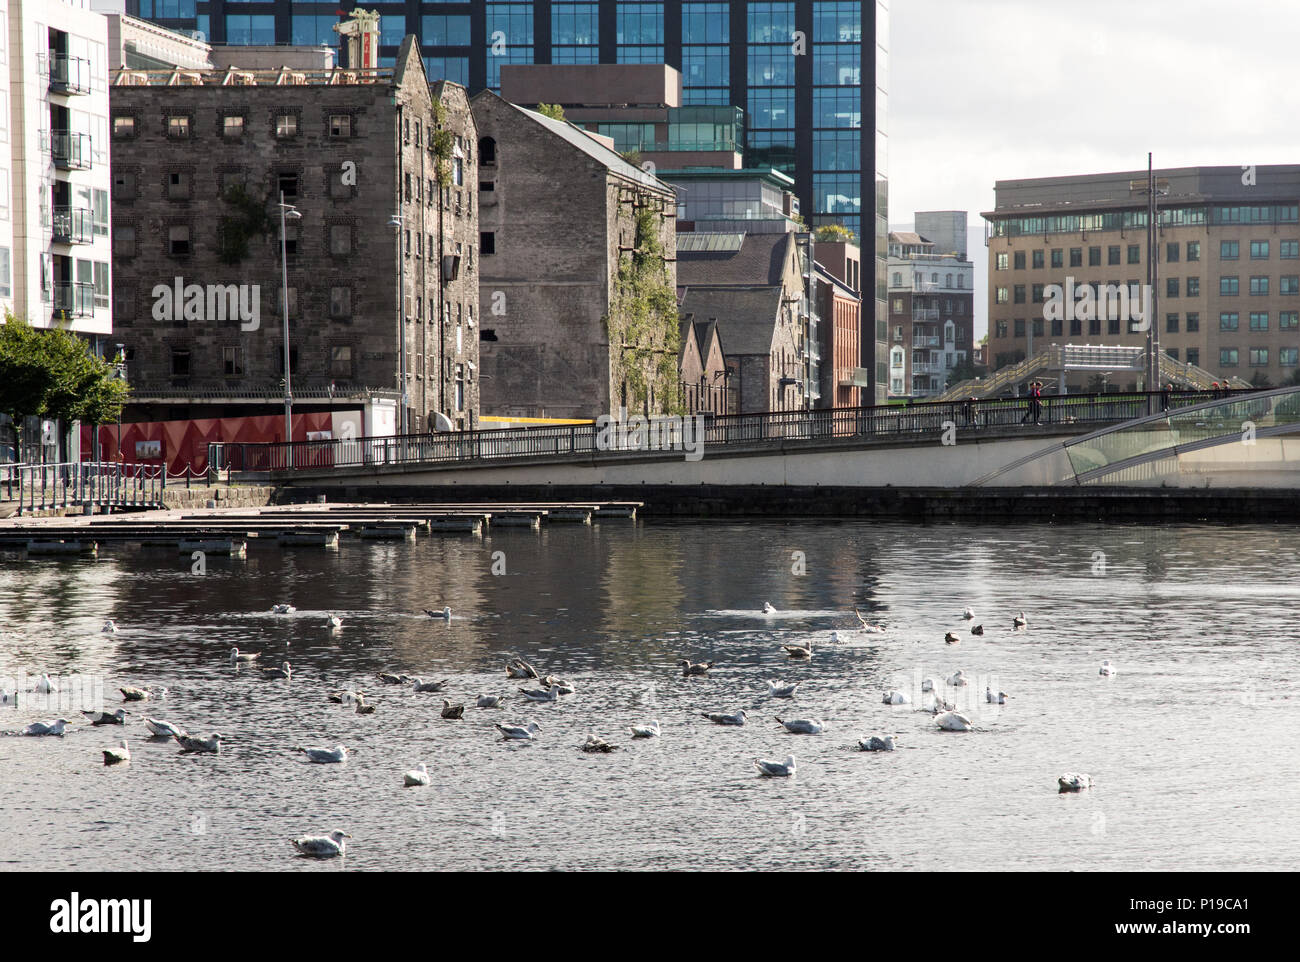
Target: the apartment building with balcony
pixel 1227 296
pixel 55 180
pixel 931 304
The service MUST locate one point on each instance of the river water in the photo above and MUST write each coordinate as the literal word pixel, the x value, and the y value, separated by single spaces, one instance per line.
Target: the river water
pixel 1194 744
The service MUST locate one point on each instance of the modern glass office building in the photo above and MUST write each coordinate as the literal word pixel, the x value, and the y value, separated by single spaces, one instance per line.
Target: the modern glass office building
pixel 803 71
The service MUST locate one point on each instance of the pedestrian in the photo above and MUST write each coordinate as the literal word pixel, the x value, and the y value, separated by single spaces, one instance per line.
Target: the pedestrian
pixel 968 412
pixel 1164 397
pixel 1038 402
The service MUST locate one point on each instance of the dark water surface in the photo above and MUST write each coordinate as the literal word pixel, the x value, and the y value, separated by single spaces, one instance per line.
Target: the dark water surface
pixel 1194 744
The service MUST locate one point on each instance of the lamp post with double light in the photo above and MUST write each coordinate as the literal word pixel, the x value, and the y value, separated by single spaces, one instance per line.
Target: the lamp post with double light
pixel 287 212
pixel 395 222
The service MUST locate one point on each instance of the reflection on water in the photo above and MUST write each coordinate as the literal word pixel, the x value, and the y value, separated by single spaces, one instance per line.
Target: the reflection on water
pixel 1189 734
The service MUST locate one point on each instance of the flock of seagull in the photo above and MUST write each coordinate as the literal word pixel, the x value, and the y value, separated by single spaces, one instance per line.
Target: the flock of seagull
pixel 551 689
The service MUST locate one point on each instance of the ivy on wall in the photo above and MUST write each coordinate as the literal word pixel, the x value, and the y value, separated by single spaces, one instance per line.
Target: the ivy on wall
pixel 441 142
pixel 247 219
pixel 642 324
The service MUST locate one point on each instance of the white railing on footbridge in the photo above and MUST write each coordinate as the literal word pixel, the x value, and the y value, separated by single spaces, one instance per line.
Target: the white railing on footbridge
pixel 67 484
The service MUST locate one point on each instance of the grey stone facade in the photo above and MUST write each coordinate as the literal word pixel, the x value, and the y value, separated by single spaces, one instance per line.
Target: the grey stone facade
pixel 349 150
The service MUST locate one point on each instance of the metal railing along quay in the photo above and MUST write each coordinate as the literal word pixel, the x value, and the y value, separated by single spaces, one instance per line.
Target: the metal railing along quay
pixel 40 487
pixel 919 421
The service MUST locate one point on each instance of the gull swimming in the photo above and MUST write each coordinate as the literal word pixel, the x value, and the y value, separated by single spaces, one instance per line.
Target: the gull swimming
pixel 389 679
pixel 283 609
pixel 868 626
pixel 874 743
pixel 968 614
pixel 896 697
pixel 333 621
pixel 47 728
pixel 110 627
pixel 451 711
pixel 345 697
pixel 44 685
pixel 209 746
pixel 489 701
pixel 595 744
pixel 162 729
pixel 131 693
pixel 322 846
pixel 952 638
pixel 104 718
pixel 977 630
pixel 1106 668
pixel 284 671
pixel 781 690
pixel 1019 621
pixel 445 614
pixel 951 721
pixel 768 609
pixel 418 776
pixel 799 651
pixel 935 705
pixel 115 756
pixel 646 731
pixel 325 755
pixel 998 698
pixel 422 685
pixel 957 679
pixel 775 769
pixel 239 657
pixel 520 669
pixel 566 687
pixel 364 707
pixel 699 668
pixel 542 694
pixel 835 637
pixel 927 684
pixel 722 718
pixel 515 731
pixel 8 697
pixel 1074 781
pixel 803 726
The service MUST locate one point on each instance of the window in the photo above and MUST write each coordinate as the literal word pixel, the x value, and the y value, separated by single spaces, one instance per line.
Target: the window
pixel 487 243
pixel 123 127
pixel 6 273
pixel 1019 260
pixel 178 128
pixel 1193 254
pixel 1173 353
pixel 1193 321
pixel 178 241
pixel 1171 287
pixel 1057 259
pixel 1193 287
pixel 1171 252
pixel 1112 325
pixel 1288 321
pixel 1135 253
pixel 1094 256
pixel 1057 327
pixel 340 302
pixel 341 361
pixel 232 126
pixel 1171 323
pixel 1288 250
pixel 1288 356
pixel 1259 286
pixel 287 184
pixel 1076 327
pixel 1001 296
pixel 1289 285
pixel 1094 325
pixel 1076 256
pixel 1228 321
pixel 1229 286
pixel 1020 327
pixel 124 241
pixel 1259 357
pixel 1193 353
pixel 231 365
pixel 1001 264
pixel 1259 250
pixel 1000 328
pixel 1038 293
pixel 1229 250
pixel 1112 254
pixel 1259 320
pixel 100 207
pixel 1038 259
pixel 340 239
pixel 124 184
pixel 286 125
pixel 178 185
pixel 1020 293
pixel 341 126
pixel 180 363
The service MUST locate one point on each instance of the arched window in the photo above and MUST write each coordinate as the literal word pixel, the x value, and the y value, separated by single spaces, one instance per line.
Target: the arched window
pixel 934 278
pixel 487 152
pixel 948 281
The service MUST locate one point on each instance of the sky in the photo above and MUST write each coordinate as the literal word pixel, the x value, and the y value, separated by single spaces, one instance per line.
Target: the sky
pixel 988 90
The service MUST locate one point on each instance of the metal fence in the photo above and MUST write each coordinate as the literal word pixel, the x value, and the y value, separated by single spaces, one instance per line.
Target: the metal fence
pixel 678 434
pixel 38 487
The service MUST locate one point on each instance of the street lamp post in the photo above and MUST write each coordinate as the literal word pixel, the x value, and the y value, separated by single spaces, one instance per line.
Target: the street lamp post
pixel 287 211
pixel 396 223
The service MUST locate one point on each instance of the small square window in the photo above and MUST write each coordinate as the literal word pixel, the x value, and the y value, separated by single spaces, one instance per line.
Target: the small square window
pixel 487 243
pixel 287 184
pixel 124 241
pixel 180 363
pixel 286 125
pixel 232 127
pixel 340 302
pixel 178 185
pixel 178 127
pixel 340 125
pixel 341 361
pixel 340 239
pixel 231 364
pixel 123 127
pixel 178 240
pixel 123 185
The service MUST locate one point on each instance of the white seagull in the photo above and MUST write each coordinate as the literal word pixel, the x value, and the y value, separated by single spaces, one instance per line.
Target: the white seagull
pixel 44 685
pixel 868 626
pixel 694 668
pixel 957 679
pixel 8 697
pixel 284 671
pixel 777 769
pixel 46 728
pixel 782 690
pixel 968 614
pixel 646 731
pixel 162 729
pixel 896 697
pixel 115 756
pixel 951 721
pixel 542 694
pixel 105 718
pixel 200 746
pixel 515 731
pixel 722 718
pixel 874 743
pixel 333 621
pixel 520 669
pixel 799 651
pixel 322 846
pixel 1107 668
pixel 803 726
pixel 489 701
pixel 240 657
pixel 445 614
pixel 110 627
pixel 1019 621
pixel 927 684
pixel 1074 781
pixel 417 776
pixel 595 743
pixel 768 609
pixel 325 755
pixel 995 698
pixel 283 609
pixel 422 685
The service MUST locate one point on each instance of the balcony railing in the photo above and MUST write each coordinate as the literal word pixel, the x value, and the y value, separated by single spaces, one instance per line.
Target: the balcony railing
pixel 925 313
pixel 69 75
pixel 72 299
pixel 73 225
pixel 70 150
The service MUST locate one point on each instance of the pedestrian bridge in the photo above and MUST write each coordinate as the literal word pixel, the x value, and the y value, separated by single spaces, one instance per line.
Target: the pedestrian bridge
pixel 1242 440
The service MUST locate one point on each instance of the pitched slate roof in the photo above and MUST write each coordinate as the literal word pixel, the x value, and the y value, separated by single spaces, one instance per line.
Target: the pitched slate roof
pixel 760 261
pixel 746 317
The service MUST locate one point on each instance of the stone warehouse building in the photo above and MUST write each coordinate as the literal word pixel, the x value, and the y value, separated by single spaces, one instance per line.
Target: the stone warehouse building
pixel 200 161
pixel 567 224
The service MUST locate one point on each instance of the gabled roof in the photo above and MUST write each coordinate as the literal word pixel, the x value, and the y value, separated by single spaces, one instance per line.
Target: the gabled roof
pixel 746 317
pixel 760 260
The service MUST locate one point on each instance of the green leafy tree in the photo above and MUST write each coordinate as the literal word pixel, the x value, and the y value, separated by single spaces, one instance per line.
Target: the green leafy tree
pixel 554 111
pixel 834 234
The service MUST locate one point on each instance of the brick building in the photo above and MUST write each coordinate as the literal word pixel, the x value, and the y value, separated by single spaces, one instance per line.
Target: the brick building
pixel 200 161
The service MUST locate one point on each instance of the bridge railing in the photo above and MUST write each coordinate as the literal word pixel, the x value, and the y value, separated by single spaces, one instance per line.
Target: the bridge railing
pixel 587 440
pixel 64 484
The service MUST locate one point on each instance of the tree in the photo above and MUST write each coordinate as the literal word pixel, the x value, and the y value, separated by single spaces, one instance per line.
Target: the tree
pixel 554 111
pixel 834 234
pixel 1260 379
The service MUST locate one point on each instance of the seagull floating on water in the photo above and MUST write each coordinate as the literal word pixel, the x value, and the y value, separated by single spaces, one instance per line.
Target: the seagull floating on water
pixel 110 627
pixel 283 609
pixel 968 614
pixel 951 721
pixel 325 755
pixel 799 651
pixel 646 731
pixel 333 621
pixel 1019 621
pixel 422 685
pixel 200 746
pixel 515 731
pixel 389 679
pixel 927 684
pixel 162 729
pixel 803 726
pixel 345 697
pixel 284 671
pixel 595 744
pixel 363 706
pixel 8 697
pixel 834 638
pixel 977 630
pixel 566 687
pixel 418 776
pixel 936 705
pixel 875 743
pixel 722 718
pixel 952 638
pixel 322 846
pixel 445 614
pixel 957 679
pixel 775 769
pixel 542 694
pixel 1106 668
pixel 698 668
pixel 998 698
pixel 520 669
pixel 47 728
pixel 781 690
pixel 1074 782
pixel 104 718
pixel 239 657
pixel 868 626
pixel 489 701
pixel 896 697
pixel 44 685
pixel 451 711
pixel 768 609
pixel 131 693
pixel 116 756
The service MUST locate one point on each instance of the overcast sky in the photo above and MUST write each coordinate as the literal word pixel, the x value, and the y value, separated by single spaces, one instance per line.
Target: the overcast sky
pixel 987 90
